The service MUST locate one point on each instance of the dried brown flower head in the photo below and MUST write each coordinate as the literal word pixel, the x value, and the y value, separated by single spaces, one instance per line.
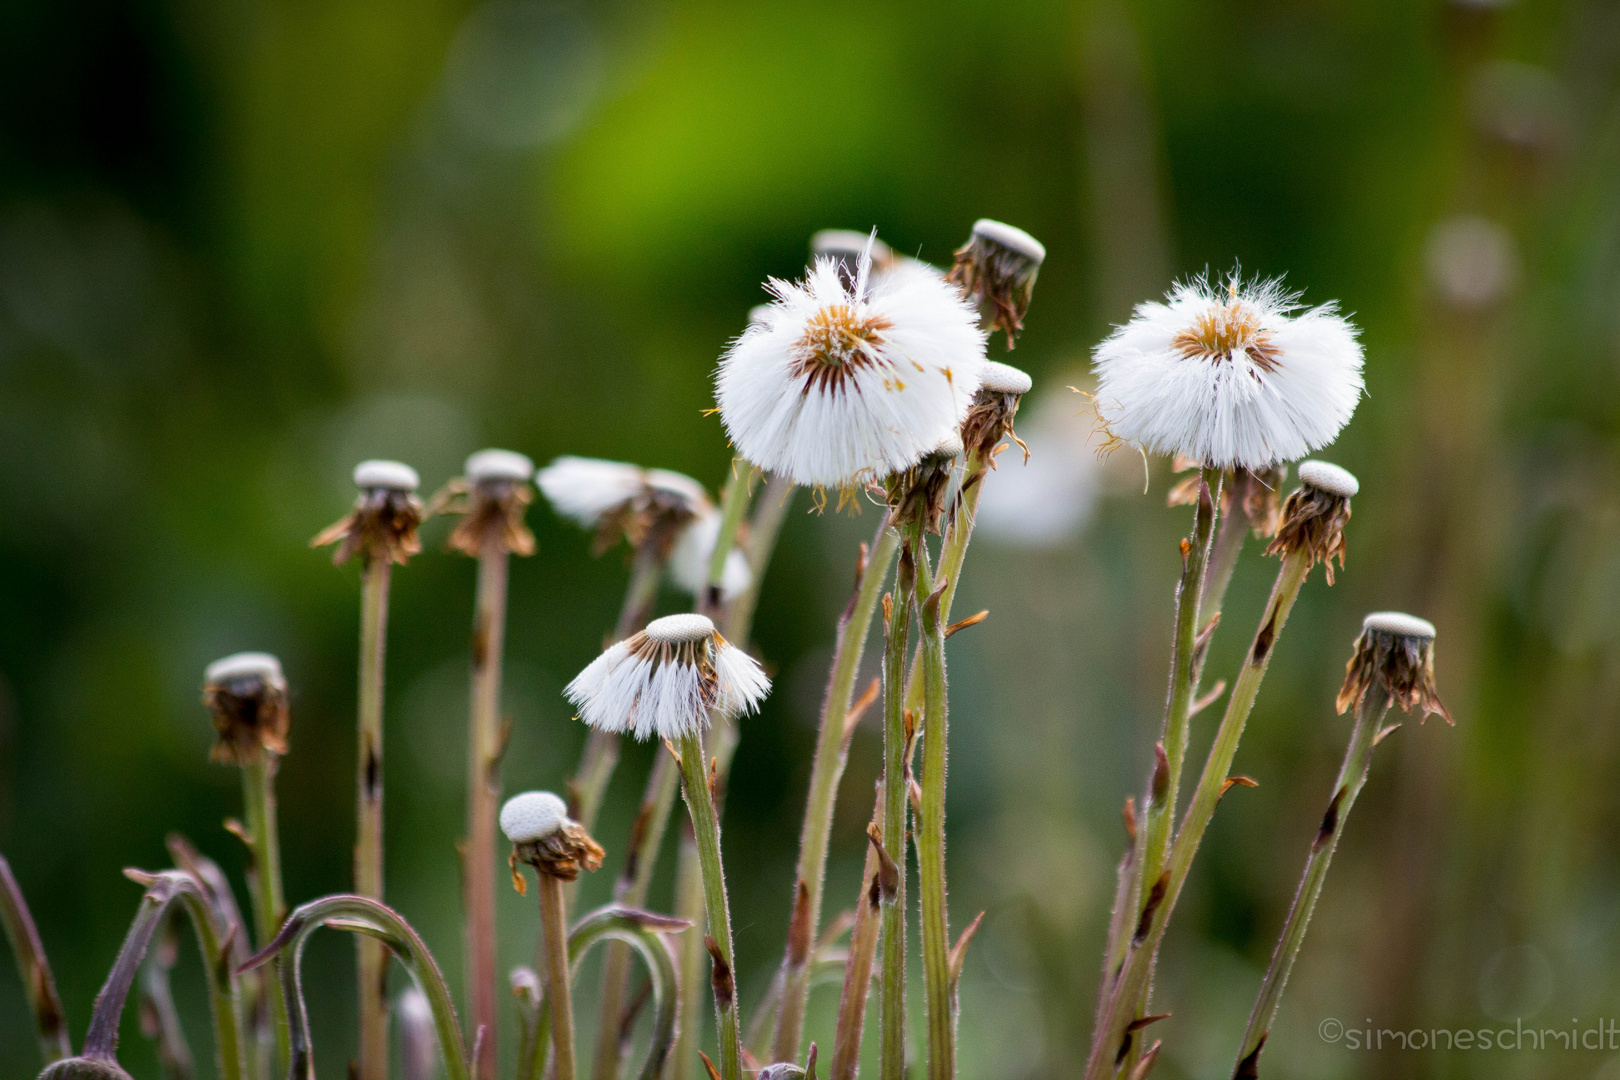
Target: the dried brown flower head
pixel 385 517
pixel 247 698
pixel 996 270
pixel 1315 514
pixel 545 837
pixel 493 494
pixel 921 492
pixel 995 406
pixel 1395 651
pixel 1257 493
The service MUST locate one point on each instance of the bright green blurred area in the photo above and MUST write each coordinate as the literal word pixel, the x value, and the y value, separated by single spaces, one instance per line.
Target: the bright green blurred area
pixel 245 245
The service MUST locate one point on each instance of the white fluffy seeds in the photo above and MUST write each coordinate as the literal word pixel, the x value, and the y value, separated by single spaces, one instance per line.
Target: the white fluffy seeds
pixel 1329 478
pixel 389 475
pixel 1398 624
pixel 694 547
pixel 508 465
pixel 584 489
pixel 837 384
pixel 533 815
pixel 1229 375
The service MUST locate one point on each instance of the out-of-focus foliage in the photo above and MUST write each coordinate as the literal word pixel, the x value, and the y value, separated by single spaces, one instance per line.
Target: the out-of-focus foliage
pixel 245 244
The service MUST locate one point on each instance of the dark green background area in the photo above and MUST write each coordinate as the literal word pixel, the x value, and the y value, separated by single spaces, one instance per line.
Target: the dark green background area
pixel 245 244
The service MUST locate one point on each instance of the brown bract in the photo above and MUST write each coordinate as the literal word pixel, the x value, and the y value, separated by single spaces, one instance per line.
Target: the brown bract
pixel 251 717
pixel 494 506
pixel 1222 330
pixel 989 420
pixel 837 341
pixel 1403 663
pixel 652 513
pixel 382 525
pixel 563 854
pixel 998 281
pixel 1259 494
pixel 1313 521
pixel 919 493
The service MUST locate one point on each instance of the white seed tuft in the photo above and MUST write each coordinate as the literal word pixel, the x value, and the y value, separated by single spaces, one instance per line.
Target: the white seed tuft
pixel 388 475
pixel 999 378
pixel 244 665
pixel 1011 238
pixel 1398 624
pixel 1329 478
pixel 508 465
pixel 584 489
pixel 694 547
pixel 533 815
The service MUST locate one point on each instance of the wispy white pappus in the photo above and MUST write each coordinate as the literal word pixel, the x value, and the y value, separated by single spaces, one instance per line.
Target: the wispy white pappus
pixel 837 384
pixel 694 548
pixel 586 489
pixel 1229 375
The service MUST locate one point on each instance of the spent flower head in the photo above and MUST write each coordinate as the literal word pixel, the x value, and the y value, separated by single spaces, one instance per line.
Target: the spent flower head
pixel 665 681
pixel 385 517
pixel 1313 517
pixel 922 492
pixel 493 492
pixel 246 695
pixel 995 406
pixel 545 837
pixel 996 270
pixel 619 499
pixel 1232 375
pixel 842 383
pixel 1394 650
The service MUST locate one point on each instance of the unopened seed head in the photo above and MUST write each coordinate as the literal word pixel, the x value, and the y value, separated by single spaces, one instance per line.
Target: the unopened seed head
pixel 1329 478
pixel 245 665
pixel 1010 237
pixel 533 815
pixel 1398 624
pixel 678 629
pixel 999 378
pixel 498 465
pixel 388 475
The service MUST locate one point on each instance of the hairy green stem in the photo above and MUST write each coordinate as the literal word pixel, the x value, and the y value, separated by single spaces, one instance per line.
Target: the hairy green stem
pixel 1370 713
pixel 706 830
pixel 688 902
pixel 1125 992
pixel 368 849
pixel 50 1023
pixel 269 904
pixel 559 996
pixel 826 769
pixel 896 781
pixel 930 841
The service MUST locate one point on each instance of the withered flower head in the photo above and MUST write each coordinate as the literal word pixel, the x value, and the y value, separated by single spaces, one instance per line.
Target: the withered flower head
pixel 247 695
pixel 1314 516
pixel 1258 493
pixel 990 417
pixel 618 499
pixel 493 492
pixel 922 492
pixel 996 270
pixel 1395 651
pixel 385 517
pixel 545 837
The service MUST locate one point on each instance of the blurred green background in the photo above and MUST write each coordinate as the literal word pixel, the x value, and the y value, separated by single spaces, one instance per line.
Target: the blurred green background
pixel 244 244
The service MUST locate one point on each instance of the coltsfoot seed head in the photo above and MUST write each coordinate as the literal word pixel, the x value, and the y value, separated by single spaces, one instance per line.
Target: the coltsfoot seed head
pixel 545 837
pixel 388 475
pixel 692 551
pixel 246 695
pixel 1329 478
pixel 532 815
pixel 1314 516
pixel 1395 651
pixel 497 465
pixel 999 378
pixel 616 498
pixel 996 271
pixel 990 418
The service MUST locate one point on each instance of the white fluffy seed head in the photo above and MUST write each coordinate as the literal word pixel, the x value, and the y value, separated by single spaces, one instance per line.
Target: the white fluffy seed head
pixel 584 489
pixel 508 465
pixel 1398 624
pixel 694 547
pixel 999 378
pixel 1231 375
pixel 389 475
pixel 1329 478
pixel 1010 237
pixel 666 681
pixel 245 665
pixel 849 245
pixel 841 383
pixel 533 815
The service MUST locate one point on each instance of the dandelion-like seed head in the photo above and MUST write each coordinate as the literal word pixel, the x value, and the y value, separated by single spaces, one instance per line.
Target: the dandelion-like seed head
pixel 1315 514
pixel 1233 376
pixel 615 498
pixel 545 837
pixel 493 493
pixel 385 517
pixel 692 552
pixel 665 681
pixel 1394 651
pixel 246 695
pixel 843 382
pixel 996 270
pixel 995 406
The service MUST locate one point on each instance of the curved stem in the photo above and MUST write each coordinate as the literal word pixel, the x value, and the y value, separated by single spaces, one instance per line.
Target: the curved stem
pixel 50 1023
pixel 364 915
pixel 896 781
pixel 706 831
pixel 160 1021
pixel 269 905
pixel 372 972
pixel 1370 713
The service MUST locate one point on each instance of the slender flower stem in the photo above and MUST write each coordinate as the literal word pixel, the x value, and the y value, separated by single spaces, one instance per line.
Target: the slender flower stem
pixel 101 1040
pixel 483 798
pixel 160 1021
pixel 863 943
pixel 1230 536
pixel 892 1018
pixel 559 997
pixel 826 769
pixel 1125 993
pixel 368 849
pixel 930 839
pixel 688 902
pixel 706 830
pixel 269 904
pixel 50 1023
pixel 952 553
pixel 1370 713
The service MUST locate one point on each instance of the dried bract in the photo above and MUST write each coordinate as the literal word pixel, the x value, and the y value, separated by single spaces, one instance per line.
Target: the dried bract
pixel 996 270
pixel 922 492
pixel 545 837
pixel 385 517
pixel 995 406
pixel 1396 651
pixel 1257 493
pixel 1314 516
pixel 493 494
pixel 246 695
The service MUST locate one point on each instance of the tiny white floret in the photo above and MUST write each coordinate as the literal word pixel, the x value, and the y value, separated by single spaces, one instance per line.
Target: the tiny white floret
pixel 1232 375
pixel 1398 624
pixel 244 665
pixel 844 382
pixel 508 465
pixel 389 475
pixel 999 378
pixel 1329 478
pixel 1011 238
pixel 533 815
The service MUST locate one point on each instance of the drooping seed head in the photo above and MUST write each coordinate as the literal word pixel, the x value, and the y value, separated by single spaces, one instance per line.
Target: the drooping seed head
pixel 616 499
pixel 996 270
pixel 246 695
pixel 545 837
pixel 1229 376
pixel 995 406
pixel 1394 651
pixel 1315 514
pixel 493 492
pixel 923 492
pixel 666 680
pixel 385 517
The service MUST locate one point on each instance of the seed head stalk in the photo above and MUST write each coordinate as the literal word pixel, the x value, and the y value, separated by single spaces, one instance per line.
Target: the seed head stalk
pixel 826 769
pixel 1370 713
pixel 559 998
pixel 1123 995
pixel 896 782
pixel 50 1023
pixel 368 852
pixel 863 944
pixel 269 902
